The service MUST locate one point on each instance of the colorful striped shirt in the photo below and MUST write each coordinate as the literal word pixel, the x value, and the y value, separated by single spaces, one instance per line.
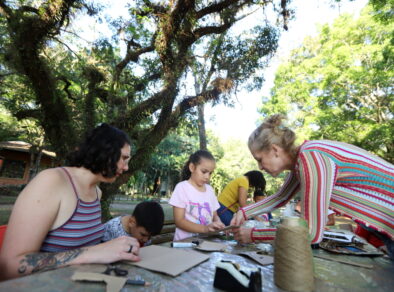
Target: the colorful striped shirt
pixel 83 228
pixel 339 176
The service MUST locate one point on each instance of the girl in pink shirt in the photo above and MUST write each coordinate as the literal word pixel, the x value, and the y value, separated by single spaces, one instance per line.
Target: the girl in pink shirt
pixel 193 200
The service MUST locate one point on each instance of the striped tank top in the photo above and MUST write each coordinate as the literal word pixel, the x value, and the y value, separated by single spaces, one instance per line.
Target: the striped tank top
pixel 83 228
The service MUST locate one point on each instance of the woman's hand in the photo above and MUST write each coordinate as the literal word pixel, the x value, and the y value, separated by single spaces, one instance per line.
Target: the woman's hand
pixel 238 218
pixel 243 235
pixel 114 250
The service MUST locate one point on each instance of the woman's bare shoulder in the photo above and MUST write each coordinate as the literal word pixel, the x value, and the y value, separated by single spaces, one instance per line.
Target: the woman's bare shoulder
pixel 45 182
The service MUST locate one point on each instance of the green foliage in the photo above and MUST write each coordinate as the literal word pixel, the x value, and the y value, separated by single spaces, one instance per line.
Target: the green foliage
pixel 383 10
pixel 166 162
pixel 236 161
pixel 339 85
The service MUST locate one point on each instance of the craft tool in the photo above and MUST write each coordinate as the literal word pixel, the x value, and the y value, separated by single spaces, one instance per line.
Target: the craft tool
pixel 137 282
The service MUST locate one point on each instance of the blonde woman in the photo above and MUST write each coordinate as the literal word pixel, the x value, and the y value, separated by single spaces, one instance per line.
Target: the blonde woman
pixel 348 179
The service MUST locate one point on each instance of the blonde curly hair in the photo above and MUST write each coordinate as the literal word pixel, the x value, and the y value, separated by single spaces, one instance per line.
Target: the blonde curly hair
pixel 272 131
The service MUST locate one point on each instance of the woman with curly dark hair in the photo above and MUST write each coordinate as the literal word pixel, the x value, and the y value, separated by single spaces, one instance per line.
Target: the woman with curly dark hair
pixel 56 220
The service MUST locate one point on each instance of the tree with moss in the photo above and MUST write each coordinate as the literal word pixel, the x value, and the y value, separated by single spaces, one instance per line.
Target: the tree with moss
pixel 67 89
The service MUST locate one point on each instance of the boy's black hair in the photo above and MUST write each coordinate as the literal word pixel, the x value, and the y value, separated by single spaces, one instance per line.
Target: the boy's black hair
pixel 101 150
pixel 195 159
pixel 150 215
pixel 256 179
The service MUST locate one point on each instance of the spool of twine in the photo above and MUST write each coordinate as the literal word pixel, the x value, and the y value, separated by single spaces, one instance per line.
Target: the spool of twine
pixel 293 264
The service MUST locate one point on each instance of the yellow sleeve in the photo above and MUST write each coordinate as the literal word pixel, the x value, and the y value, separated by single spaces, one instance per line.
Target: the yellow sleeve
pixel 229 196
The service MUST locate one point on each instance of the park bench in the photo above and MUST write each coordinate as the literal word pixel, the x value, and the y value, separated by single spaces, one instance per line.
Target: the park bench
pixel 166 234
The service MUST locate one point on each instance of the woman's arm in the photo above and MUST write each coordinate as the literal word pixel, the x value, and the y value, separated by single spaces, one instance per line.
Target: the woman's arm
pixel 33 215
pixel 32 262
pixel 286 192
pixel 317 179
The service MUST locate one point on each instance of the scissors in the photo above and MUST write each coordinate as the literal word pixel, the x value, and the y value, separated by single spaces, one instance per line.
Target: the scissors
pixel 121 273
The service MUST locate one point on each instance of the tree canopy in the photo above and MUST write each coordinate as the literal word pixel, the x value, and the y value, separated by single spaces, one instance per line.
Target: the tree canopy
pixel 339 84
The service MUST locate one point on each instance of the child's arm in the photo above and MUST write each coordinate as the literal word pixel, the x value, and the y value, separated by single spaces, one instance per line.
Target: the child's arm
pixel 184 224
pixel 242 196
pixel 216 220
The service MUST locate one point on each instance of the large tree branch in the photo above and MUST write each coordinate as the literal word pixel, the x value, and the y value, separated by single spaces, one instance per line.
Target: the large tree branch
pixel 28 113
pixel 220 86
pixel 68 47
pixel 5 10
pixel 142 84
pixel 28 34
pixel 146 108
pixel 66 87
pixel 28 9
pixel 165 123
pixel 130 56
pixel 200 32
pixel 220 6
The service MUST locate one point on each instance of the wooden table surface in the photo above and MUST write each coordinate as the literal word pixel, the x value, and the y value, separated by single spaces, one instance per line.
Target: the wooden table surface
pixel 329 275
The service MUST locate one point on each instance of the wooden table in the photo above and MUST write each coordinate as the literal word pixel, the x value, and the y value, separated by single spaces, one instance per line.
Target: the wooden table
pixel 329 275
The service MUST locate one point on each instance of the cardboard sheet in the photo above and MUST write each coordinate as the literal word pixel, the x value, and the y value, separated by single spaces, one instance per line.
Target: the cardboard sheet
pixel 114 284
pixel 170 261
pixel 263 260
pixel 211 246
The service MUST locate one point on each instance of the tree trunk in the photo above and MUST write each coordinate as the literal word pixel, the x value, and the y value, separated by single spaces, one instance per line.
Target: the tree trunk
pixel 201 127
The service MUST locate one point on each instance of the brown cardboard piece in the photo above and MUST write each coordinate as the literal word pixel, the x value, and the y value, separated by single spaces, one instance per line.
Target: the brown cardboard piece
pixel 263 260
pixel 211 246
pixel 167 260
pixel 114 284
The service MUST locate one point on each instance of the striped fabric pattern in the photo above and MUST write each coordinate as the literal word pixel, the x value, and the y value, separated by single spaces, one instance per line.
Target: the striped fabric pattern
pixel 267 235
pixel 83 228
pixel 345 178
pixel 286 192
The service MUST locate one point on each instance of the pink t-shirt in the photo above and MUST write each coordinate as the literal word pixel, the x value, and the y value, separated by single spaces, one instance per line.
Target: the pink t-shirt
pixel 199 206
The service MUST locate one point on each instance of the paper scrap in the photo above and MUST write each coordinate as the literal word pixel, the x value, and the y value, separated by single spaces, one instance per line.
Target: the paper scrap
pixel 263 260
pixel 211 246
pixel 114 284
